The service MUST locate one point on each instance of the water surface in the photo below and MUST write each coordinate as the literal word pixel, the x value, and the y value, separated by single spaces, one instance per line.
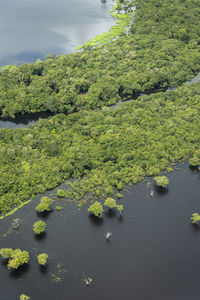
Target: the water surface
pixel 32 29
pixel 153 252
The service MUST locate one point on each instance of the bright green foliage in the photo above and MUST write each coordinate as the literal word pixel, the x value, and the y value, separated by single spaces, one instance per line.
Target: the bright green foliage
pixel 120 208
pixel 100 148
pixel 44 205
pixel 39 227
pixel 24 297
pixel 6 252
pixel 110 202
pixel 162 181
pixel 96 209
pixel 195 218
pixel 42 259
pixel 18 258
pixel 61 193
pixel 194 161
pixel 122 22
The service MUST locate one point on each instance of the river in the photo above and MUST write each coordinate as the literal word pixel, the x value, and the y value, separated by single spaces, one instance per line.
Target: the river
pixel 153 252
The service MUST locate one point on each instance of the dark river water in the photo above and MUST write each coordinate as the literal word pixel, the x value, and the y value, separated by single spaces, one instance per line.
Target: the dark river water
pixel 153 252
pixel 32 29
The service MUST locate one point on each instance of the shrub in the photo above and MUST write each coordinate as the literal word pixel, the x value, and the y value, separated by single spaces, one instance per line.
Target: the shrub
pixel 42 259
pixel 110 202
pixel 44 205
pixel 194 161
pixel 39 227
pixel 96 209
pixel 162 181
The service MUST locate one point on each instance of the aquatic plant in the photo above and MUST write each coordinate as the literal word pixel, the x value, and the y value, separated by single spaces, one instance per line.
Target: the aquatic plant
pixel 161 181
pixel 39 227
pixel 110 202
pixel 42 259
pixel 195 218
pixel 24 297
pixel 44 205
pixel 96 209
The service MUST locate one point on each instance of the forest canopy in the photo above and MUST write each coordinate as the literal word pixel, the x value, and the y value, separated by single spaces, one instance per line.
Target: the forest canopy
pixel 102 148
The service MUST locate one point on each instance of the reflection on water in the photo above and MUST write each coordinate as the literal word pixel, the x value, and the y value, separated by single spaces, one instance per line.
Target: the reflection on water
pixel 32 29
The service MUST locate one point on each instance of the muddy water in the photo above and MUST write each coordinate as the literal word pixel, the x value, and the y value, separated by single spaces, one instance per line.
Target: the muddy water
pixel 153 252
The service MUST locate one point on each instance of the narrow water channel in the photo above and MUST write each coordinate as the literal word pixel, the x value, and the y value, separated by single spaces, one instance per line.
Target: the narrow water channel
pixel 153 252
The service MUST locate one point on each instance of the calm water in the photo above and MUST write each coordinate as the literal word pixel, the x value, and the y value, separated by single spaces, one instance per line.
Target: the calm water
pixel 32 29
pixel 153 253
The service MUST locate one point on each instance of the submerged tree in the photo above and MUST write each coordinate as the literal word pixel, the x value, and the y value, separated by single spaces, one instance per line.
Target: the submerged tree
pixel 42 259
pixel 110 202
pixel 39 227
pixel 161 181
pixel 6 252
pixel 96 209
pixel 195 218
pixel 24 297
pixel 120 208
pixel 44 205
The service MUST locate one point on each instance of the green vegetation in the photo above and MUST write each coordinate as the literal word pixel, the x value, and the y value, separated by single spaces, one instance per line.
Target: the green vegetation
pixel 96 209
pixel 195 218
pixel 61 193
pixel 110 202
pixel 24 297
pixel 120 208
pixel 160 49
pixel 6 252
pixel 58 208
pixel 44 205
pixel 16 257
pixel 42 259
pixel 39 227
pixel 162 181
pixel 103 149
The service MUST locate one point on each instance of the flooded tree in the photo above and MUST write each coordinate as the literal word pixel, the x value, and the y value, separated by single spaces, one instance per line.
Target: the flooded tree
pixel 110 202
pixel 162 181
pixel 96 209
pixel 195 218
pixel 42 259
pixel 120 208
pixel 44 205
pixel 24 297
pixel 39 227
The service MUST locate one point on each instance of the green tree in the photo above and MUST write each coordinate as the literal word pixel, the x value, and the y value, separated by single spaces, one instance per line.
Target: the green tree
pixel 18 258
pixel 44 205
pixel 6 252
pixel 120 208
pixel 110 202
pixel 61 193
pixel 39 227
pixel 195 218
pixel 96 209
pixel 24 297
pixel 162 181
pixel 42 259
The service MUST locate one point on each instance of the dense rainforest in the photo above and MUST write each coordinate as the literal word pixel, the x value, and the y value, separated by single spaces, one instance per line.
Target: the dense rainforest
pixel 102 148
